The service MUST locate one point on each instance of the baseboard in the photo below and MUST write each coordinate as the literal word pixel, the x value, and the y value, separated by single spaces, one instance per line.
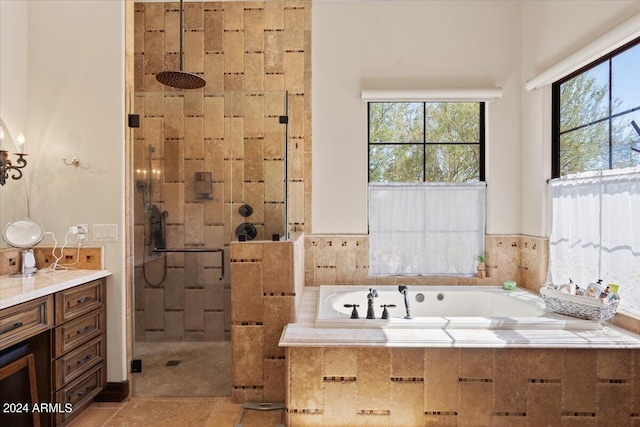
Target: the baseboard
pixel 113 392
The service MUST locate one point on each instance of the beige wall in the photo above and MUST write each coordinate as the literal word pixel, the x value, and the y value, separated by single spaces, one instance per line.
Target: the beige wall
pixel 551 31
pixel 445 44
pixel 76 108
pixel 14 91
pixel 396 44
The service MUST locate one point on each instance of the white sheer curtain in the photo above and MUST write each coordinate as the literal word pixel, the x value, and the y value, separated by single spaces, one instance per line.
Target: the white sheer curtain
pixel 425 228
pixel 595 231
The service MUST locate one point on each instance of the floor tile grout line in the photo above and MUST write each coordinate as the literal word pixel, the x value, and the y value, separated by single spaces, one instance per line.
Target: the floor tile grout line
pixel 105 424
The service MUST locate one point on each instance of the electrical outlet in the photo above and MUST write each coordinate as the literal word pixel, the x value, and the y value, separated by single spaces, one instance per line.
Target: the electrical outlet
pixel 83 228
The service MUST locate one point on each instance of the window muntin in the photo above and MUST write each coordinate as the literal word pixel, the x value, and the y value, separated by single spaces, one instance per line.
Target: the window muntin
pixel 592 114
pixel 426 141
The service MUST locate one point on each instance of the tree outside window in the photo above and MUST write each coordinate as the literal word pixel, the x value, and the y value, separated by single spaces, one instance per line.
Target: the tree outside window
pixel 426 141
pixel 594 112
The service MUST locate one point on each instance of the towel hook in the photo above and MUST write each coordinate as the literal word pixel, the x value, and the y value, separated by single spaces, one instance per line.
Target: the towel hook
pixel 74 162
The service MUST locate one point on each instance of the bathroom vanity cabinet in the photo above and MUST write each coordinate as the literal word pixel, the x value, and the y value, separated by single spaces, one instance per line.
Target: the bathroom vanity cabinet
pixel 66 330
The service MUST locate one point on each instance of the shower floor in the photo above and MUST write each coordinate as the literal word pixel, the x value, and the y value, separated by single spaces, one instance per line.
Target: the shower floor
pixel 183 369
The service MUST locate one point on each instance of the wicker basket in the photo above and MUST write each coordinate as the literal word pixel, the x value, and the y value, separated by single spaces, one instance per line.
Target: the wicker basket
pixel 579 306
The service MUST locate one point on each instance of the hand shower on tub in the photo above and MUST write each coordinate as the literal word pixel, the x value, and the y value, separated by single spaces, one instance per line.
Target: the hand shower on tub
pixel 404 291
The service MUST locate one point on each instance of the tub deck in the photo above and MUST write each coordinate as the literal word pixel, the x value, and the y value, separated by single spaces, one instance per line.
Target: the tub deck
pixel 303 333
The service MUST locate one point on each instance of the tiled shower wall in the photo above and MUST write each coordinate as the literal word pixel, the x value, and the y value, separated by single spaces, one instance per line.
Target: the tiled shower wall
pixel 267 280
pixel 462 387
pixel 336 259
pixel 256 60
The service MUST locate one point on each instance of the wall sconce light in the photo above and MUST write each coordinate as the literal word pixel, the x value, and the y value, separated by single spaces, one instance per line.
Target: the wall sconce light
pixel 5 163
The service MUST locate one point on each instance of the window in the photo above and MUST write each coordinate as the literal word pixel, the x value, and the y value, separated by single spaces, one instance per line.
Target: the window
pixel 426 141
pixel 596 115
pixel 426 204
pixel 595 233
pixel 596 133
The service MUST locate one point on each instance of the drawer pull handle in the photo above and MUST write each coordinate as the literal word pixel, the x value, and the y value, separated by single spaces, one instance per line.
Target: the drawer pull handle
pixel 83 300
pixel 12 327
pixel 85 360
pixel 83 330
pixel 85 391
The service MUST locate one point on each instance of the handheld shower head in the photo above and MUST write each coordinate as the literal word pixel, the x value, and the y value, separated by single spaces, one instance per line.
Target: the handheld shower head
pixel 405 291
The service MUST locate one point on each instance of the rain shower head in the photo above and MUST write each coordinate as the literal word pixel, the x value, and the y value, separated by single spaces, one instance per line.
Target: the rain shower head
pixel 181 79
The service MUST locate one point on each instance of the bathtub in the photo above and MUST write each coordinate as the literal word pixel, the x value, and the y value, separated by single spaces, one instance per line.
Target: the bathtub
pixel 442 307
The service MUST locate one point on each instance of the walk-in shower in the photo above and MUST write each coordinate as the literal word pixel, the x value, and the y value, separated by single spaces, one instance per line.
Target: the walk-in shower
pixel 210 168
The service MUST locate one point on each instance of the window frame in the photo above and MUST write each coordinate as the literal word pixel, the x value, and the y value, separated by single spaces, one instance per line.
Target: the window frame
pixel 481 143
pixel 556 132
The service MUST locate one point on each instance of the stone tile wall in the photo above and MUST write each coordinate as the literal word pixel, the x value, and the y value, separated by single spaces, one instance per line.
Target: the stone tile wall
pixel 88 258
pixel 249 53
pixel 264 287
pixel 463 387
pixel 344 259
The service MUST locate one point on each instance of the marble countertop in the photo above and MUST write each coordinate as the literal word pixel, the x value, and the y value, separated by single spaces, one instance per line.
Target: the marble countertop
pixel 16 290
pixel 303 333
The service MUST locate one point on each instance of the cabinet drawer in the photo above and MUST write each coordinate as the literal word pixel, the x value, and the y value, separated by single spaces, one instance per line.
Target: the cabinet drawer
pixel 78 331
pixel 80 393
pixel 75 363
pixel 25 320
pixel 79 300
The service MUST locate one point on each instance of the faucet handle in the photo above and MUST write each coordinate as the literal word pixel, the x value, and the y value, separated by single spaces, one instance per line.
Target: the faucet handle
pixel 354 312
pixel 385 312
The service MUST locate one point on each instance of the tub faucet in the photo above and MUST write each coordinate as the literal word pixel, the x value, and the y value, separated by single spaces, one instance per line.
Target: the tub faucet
pixel 385 312
pixel 372 294
pixel 404 291
pixel 354 312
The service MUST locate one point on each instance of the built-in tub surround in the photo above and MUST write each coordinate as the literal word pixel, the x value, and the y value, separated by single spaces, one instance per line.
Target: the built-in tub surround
pixel 441 307
pixel 462 386
pixel 424 377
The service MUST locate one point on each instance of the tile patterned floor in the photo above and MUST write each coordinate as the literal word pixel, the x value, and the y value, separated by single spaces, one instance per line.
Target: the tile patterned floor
pixel 204 369
pixel 194 392
pixel 177 411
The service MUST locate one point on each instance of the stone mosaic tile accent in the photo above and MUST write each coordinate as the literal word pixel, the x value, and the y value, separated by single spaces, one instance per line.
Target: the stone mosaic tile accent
pixel 450 386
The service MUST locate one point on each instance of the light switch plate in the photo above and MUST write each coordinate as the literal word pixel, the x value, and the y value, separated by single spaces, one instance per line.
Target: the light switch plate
pixel 105 232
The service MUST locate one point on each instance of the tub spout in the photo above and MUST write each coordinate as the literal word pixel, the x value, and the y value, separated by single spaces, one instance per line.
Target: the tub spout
pixel 404 291
pixel 372 294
